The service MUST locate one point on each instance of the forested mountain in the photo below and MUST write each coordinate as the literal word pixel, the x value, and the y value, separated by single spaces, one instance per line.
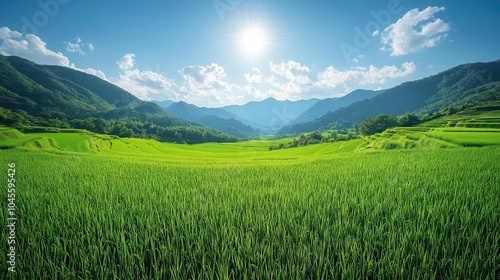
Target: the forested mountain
pixel 331 104
pixel 63 93
pixel 32 94
pixel 451 87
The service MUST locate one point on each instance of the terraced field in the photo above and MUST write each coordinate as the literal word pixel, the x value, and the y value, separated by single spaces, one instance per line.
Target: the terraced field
pixel 476 127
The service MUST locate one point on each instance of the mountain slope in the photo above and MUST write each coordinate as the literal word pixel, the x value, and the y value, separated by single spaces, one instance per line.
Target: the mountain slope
pixel 27 86
pixel 423 96
pixel 60 92
pixel 331 104
pixel 271 113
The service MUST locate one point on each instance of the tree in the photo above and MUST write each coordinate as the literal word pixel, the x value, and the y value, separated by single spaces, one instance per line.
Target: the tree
pixel 408 119
pixel 316 136
pixel 351 135
pixel 334 135
pixel 377 124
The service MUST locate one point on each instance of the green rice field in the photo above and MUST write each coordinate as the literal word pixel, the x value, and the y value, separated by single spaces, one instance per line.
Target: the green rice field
pixel 99 207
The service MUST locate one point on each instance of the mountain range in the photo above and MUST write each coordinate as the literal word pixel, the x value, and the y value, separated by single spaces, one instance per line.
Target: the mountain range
pixel 264 116
pixel 271 113
pixel 252 117
pixel 459 85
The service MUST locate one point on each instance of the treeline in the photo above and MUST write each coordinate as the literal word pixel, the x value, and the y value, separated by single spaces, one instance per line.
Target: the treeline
pixel 317 138
pixel 127 127
pixel 382 122
pixel 140 129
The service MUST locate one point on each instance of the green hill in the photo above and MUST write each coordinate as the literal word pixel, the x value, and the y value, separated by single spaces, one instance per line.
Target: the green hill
pixel 59 92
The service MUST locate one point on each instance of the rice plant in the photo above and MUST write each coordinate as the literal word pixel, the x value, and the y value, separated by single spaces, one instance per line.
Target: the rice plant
pixel 389 214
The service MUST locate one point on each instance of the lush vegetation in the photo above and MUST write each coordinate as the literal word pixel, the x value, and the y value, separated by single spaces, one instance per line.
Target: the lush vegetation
pixel 382 122
pixel 317 138
pixel 92 206
pixel 126 127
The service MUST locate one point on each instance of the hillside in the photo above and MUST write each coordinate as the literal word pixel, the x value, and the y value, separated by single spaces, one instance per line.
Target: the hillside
pixel 32 94
pixel 60 92
pixel 427 95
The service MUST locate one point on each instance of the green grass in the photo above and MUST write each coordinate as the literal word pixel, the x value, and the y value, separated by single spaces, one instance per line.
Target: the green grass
pixel 468 137
pixel 477 117
pixel 97 207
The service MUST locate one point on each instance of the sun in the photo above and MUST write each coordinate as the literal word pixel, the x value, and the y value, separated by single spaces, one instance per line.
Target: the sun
pixel 252 41
pixel 253 35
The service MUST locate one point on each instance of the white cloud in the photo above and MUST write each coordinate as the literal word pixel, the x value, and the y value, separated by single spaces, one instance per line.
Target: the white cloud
pixel 416 30
pixel 333 78
pixel 210 75
pixel 358 58
pixel 207 86
pixel 207 83
pixel 6 33
pixel 148 85
pixel 201 85
pixel 292 71
pixel 92 71
pixel 127 61
pixel 74 47
pixel 254 77
pixel 29 47
pixel 289 79
pixel 78 46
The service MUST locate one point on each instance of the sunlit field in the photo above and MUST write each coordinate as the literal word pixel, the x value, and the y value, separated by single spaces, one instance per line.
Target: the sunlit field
pixel 96 207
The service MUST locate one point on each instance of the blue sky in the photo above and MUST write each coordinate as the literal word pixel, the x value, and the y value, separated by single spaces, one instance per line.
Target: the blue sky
pixel 221 52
